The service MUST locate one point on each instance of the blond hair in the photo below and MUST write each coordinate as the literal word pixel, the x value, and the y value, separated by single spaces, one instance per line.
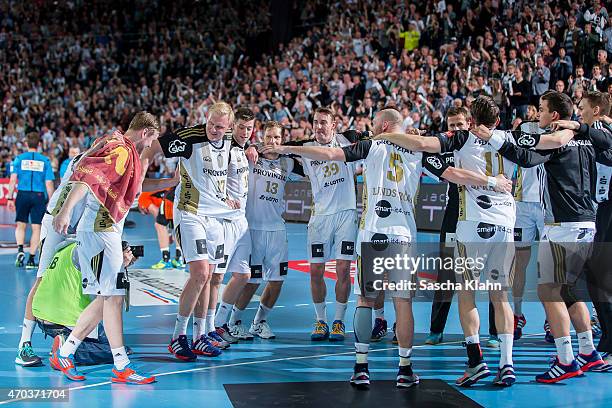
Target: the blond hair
pixel 221 109
pixel 144 120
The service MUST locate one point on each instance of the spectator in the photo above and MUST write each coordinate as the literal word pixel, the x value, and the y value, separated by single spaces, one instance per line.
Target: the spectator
pixel 541 79
pixel 562 66
pixel 602 61
pixel 520 94
pixel 411 36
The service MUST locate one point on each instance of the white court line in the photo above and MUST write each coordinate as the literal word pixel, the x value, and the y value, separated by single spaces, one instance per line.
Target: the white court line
pixel 170 314
pixel 141 316
pixel 274 360
pixel 303 304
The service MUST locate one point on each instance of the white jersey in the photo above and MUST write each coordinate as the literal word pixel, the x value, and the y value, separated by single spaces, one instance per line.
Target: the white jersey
pixel 58 198
pixel 265 203
pixel 477 203
pixel 390 185
pixel 238 177
pixel 96 218
pixel 332 182
pixel 529 181
pixel 203 167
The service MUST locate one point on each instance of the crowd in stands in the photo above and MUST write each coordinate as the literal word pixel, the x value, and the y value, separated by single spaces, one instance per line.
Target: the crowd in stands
pixel 74 70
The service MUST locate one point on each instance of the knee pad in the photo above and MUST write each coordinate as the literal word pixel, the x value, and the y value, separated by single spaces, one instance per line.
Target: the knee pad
pixel 568 296
pixel 362 323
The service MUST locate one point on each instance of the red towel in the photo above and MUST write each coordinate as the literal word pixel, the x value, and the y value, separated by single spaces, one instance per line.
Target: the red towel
pixel 112 171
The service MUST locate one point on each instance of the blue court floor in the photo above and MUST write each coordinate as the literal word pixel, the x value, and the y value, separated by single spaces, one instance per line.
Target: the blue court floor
pixel 291 357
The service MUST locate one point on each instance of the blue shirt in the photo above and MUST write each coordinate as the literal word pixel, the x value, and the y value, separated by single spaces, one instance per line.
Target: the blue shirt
pixel 64 166
pixel 32 170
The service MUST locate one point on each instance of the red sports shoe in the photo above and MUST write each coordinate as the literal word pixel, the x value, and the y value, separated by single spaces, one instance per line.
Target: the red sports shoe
pixel 64 364
pixel 129 376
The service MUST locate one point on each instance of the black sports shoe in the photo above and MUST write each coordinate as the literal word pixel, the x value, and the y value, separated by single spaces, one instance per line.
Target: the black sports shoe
pixel 181 349
pixel 26 356
pixel 361 377
pixel 406 378
pixel 31 264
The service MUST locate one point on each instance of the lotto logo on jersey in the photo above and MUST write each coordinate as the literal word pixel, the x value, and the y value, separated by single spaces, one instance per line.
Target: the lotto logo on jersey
pixel 32 165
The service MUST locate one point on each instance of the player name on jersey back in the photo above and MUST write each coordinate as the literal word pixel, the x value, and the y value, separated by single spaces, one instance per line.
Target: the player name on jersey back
pixel 476 203
pixel 391 181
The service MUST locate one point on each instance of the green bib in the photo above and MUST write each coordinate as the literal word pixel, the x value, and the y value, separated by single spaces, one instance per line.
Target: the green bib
pixel 59 298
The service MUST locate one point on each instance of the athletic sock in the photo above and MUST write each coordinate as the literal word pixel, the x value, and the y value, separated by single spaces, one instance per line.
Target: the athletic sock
pixel 223 314
pixel 518 306
pixel 70 346
pixel 505 349
pixel 473 350
pixel 210 320
pixel 236 316
pixel 380 313
pixel 180 326
pixel 165 254
pixel 262 313
pixel 19 248
pixel 585 342
pixel 120 358
pixel 321 311
pixel 564 350
pixel 177 254
pixel 31 257
pixel 199 327
pixel 26 331
pixel 340 311
pixel 404 355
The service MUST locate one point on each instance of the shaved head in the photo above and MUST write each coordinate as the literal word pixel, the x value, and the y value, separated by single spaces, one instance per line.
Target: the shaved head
pixel 387 120
pixel 391 116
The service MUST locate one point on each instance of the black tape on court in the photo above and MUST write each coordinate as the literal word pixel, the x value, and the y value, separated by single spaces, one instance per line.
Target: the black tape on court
pixel 429 393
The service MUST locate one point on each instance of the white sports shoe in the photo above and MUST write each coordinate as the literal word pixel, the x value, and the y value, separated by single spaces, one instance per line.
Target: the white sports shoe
pixel 262 329
pixel 239 331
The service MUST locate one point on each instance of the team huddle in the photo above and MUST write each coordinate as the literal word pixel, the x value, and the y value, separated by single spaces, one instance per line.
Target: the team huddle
pixel 513 186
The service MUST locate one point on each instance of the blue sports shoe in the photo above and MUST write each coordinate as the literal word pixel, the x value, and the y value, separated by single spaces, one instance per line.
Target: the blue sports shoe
pixel 591 361
pixel 320 332
pixel 492 342
pixel 181 349
pixel 380 330
pixel 558 372
pixel 338 331
pixel 434 338
pixel 204 347
pixel 505 376
pixel 548 337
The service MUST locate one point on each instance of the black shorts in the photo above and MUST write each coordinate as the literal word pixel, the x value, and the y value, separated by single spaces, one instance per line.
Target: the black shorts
pixel 30 207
